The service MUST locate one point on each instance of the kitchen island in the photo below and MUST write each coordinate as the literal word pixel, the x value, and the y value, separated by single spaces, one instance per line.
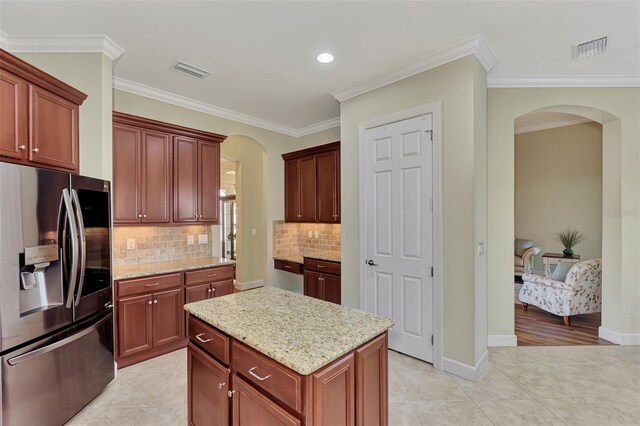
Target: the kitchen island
pixel 269 356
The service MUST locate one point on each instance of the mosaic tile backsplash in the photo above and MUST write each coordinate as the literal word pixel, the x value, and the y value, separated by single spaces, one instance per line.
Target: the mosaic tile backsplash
pixel 293 238
pixel 160 244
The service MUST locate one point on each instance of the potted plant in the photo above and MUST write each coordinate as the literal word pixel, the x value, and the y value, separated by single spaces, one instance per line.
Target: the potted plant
pixel 569 238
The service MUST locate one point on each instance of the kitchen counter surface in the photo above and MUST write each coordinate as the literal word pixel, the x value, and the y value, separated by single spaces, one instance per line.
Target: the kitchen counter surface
pixel 302 333
pixel 330 255
pixel 146 269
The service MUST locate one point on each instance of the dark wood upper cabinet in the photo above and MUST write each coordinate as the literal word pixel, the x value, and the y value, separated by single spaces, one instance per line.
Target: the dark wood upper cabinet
pixel 177 177
pixel 156 177
pixel 39 117
pixel 208 182
pixel 312 184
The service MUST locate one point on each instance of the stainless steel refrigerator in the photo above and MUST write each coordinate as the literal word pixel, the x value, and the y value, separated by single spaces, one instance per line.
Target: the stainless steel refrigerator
pixel 56 310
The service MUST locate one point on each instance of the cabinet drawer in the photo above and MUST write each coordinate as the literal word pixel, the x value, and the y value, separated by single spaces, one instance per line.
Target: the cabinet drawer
pixel 209 275
pixel 209 339
pixel 148 285
pixel 322 266
pixel 266 374
pixel 288 266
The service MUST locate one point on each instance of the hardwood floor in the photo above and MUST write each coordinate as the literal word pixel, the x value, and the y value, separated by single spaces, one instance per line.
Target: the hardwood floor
pixel 536 327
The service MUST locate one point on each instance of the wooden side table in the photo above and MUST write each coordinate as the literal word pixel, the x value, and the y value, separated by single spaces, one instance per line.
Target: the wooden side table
pixel 555 258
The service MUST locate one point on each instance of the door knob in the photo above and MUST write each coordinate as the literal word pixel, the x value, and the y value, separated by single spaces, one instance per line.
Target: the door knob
pixel 371 263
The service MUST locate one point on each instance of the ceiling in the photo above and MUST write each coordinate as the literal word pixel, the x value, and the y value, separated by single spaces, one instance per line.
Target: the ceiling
pixel 261 55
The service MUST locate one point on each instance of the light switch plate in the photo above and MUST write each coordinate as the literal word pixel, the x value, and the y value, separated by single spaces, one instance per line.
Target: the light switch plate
pixel 480 249
pixel 190 240
pixel 131 243
pixel 203 239
pixel 253 231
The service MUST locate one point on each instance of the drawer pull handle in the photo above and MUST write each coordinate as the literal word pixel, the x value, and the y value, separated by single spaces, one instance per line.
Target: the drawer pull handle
pixel 199 337
pixel 212 275
pixel 320 266
pixel 262 379
pixel 151 285
pixel 287 266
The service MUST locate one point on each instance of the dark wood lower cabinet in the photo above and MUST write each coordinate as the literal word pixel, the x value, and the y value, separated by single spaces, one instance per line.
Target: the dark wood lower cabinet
pixel 351 390
pixel 250 407
pixel 322 280
pixel 167 317
pixel 135 333
pixel 208 387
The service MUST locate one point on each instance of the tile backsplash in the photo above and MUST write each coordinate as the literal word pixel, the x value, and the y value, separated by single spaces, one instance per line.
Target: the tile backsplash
pixel 160 243
pixel 293 238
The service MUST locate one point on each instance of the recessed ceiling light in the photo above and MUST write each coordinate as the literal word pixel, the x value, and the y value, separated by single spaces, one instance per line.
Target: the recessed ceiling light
pixel 325 58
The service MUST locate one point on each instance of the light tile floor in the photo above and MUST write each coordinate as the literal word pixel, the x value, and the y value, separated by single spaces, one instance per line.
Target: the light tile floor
pixel 580 385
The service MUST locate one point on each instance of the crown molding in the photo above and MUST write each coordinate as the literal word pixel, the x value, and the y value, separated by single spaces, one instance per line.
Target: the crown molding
pixel 524 81
pixel 61 44
pixel 552 125
pixel 181 101
pixel 476 45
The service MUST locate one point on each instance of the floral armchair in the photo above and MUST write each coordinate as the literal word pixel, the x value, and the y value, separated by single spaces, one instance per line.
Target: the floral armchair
pixel 580 293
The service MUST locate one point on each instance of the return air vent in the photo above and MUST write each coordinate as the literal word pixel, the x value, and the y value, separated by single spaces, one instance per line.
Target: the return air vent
pixel 190 70
pixel 590 48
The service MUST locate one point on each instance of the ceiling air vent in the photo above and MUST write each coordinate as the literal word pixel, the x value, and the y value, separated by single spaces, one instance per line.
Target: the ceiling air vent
pixel 590 48
pixel 190 70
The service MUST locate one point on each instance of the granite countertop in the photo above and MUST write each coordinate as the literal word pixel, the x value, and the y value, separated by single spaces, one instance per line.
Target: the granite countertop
pixel 330 255
pixel 156 268
pixel 301 332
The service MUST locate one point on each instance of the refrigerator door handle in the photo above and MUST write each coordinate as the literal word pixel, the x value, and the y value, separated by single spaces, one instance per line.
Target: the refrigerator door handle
pixel 74 246
pixel 82 241
pixel 48 348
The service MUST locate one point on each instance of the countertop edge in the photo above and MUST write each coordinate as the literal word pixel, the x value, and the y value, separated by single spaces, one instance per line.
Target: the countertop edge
pixel 134 275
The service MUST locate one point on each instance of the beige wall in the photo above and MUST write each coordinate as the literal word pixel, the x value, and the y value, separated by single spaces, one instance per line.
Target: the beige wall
pixel 460 86
pixel 92 74
pixel 558 184
pixel 618 110
pixel 258 248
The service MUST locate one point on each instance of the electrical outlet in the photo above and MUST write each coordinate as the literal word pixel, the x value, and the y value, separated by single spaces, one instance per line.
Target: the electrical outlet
pixel 131 243
pixel 315 235
pixel 203 239
pixel 189 240
pixel 310 234
pixel 480 249
pixel 253 231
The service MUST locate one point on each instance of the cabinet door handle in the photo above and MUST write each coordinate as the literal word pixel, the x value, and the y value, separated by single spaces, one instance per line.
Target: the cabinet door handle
pixel 144 215
pixel 140 216
pixel 221 385
pixel 262 379
pixel 209 290
pixel 22 147
pixel 149 302
pixel 200 339
pixel 230 393
pixel 151 285
pixel 36 150
pixel 155 301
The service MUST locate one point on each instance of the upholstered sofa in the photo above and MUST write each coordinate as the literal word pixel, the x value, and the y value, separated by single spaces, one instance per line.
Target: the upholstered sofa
pixel 579 293
pixel 524 252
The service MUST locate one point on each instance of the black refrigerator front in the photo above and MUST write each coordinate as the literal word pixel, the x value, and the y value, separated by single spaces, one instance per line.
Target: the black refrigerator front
pixel 56 319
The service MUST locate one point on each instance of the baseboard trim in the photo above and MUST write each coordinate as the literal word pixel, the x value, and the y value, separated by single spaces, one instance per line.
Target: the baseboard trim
pixel 494 340
pixel 618 338
pixel 466 371
pixel 249 285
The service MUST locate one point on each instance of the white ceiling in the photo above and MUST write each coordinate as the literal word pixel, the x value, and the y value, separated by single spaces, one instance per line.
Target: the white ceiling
pixel 262 54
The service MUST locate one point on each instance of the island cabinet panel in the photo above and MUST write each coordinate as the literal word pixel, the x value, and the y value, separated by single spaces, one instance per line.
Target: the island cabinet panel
pixel 38 117
pixel 371 366
pixel 135 331
pixel 251 407
pixel 208 387
pixel 282 383
pixel 333 394
pixel 209 339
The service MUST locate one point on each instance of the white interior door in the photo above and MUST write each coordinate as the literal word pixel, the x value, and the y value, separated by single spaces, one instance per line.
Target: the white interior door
pixel 399 232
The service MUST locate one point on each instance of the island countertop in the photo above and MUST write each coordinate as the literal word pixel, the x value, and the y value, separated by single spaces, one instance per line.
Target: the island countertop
pixel 158 268
pixel 300 332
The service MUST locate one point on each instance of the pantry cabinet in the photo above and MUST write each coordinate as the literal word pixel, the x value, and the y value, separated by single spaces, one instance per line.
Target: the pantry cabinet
pixel 39 117
pixel 312 184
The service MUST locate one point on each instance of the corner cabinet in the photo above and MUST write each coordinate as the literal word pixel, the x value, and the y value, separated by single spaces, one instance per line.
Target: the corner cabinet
pixel 39 117
pixel 312 184
pixel 164 174
pixel 230 383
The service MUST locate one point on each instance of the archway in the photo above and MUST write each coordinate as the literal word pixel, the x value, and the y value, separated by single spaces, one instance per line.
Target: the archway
pixel 251 159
